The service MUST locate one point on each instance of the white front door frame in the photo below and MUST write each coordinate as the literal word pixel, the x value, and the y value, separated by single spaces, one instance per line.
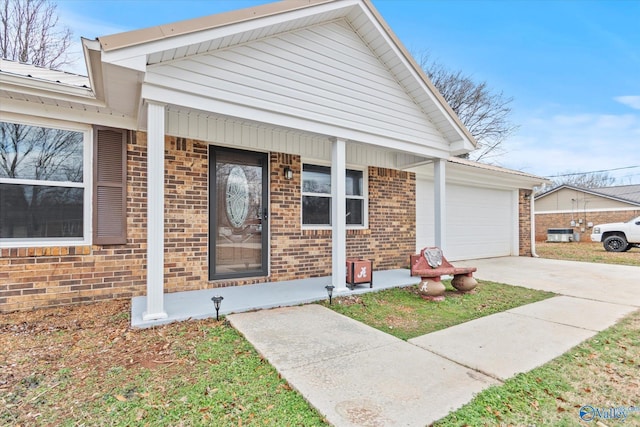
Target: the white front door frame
pixel 155 212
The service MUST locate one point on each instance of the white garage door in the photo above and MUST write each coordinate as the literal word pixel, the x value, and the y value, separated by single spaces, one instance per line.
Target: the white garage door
pixel 481 222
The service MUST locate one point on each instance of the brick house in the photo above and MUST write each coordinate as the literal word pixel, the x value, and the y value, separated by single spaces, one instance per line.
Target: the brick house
pixel 259 145
pixel 580 209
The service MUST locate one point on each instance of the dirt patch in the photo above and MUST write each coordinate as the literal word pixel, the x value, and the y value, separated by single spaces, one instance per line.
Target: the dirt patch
pixel 349 300
pixel 401 322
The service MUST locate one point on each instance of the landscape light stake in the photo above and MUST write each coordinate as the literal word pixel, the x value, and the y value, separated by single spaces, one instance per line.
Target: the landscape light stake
pixel 216 302
pixel 329 289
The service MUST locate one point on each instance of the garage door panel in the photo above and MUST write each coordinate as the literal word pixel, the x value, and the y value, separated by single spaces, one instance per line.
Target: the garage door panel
pixel 480 221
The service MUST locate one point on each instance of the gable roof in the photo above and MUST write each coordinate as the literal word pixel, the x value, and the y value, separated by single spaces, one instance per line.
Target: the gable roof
pixel 203 23
pixel 629 193
pixel 621 193
pixel 138 49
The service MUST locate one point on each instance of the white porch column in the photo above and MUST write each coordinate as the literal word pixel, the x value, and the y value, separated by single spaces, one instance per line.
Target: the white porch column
pixel 155 213
pixel 338 215
pixel 440 203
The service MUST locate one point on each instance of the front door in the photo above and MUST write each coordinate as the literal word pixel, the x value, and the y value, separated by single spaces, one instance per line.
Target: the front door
pixel 238 214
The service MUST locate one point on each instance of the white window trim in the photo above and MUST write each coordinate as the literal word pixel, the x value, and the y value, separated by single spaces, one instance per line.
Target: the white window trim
pixel 364 197
pixel 86 185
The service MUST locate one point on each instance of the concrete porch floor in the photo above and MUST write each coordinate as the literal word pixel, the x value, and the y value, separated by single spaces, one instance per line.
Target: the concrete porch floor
pixel 237 299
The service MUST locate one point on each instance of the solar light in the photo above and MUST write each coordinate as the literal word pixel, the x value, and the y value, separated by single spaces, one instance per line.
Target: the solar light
pixel 329 289
pixel 216 302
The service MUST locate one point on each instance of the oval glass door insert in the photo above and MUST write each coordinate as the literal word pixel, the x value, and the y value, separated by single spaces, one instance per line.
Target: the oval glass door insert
pixel 237 197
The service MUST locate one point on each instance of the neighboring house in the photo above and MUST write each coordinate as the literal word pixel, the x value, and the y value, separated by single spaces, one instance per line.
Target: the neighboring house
pixel 580 209
pixel 228 150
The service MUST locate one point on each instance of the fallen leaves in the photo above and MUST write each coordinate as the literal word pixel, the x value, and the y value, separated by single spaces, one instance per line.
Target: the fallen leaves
pixel 70 345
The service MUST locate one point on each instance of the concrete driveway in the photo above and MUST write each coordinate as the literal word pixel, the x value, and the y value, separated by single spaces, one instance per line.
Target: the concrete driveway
pixel 619 284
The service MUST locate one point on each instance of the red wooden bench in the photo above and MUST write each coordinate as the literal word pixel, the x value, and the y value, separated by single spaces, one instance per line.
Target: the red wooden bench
pixel 431 287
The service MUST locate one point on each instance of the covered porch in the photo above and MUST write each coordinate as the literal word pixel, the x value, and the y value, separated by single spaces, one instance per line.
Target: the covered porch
pixel 237 299
pixel 322 88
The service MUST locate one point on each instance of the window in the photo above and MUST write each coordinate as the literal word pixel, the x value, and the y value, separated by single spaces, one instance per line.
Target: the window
pixel 355 198
pixel 316 197
pixel 43 184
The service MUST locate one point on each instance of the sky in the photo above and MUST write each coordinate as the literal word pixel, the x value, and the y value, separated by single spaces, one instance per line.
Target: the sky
pixel 572 67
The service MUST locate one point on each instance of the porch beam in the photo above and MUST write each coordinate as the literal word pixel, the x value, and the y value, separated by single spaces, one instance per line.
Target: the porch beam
pixel 440 203
pixel 155 212
pixel 338 215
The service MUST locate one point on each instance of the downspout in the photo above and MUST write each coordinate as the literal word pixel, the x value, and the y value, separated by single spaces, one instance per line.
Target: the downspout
pixel 533 226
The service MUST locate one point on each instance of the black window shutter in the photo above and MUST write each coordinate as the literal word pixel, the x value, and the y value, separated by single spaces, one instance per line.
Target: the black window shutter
pixel 109 186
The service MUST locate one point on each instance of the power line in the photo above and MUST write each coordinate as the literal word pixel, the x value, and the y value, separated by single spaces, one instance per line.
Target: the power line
pixel 585 173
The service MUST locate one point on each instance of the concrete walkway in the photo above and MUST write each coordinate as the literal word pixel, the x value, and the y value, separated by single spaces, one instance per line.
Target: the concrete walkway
pixel 358 376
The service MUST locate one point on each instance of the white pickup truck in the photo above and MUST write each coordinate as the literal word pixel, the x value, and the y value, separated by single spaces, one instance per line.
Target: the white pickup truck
pixel 618 236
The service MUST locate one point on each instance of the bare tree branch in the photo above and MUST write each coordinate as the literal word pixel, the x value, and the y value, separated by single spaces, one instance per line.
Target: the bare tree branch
pixel 585 180
pixel 31 33
pixel 485 113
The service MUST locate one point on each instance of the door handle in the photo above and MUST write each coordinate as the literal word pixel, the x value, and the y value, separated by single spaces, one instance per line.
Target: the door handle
pixel 265 213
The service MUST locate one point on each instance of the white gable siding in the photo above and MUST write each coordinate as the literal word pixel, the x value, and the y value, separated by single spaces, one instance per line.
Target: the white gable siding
pixel 324 74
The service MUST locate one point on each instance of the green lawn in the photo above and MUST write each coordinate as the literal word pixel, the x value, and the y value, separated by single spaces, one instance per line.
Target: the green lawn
pixel 83 366
pixel 403 313
pixel 602 372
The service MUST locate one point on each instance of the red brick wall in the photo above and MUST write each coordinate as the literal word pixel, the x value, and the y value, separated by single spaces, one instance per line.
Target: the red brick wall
pixel 391 236
pixel 389 239
pixel 524 214
pixel 41 277
pixel 563 220
pixel 50 276
pixel 294 252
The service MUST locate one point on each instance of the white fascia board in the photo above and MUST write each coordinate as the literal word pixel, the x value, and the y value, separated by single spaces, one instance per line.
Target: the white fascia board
pixel 125 54
pixel 486 178
pixel 134 62
pixel 215 106
pixel 476 177
pixel 10 106
pixel 92 53
pixel 461 146
pixel 47 89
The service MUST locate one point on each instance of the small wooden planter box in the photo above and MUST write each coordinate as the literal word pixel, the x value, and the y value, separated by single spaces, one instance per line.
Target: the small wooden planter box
pixel 359 271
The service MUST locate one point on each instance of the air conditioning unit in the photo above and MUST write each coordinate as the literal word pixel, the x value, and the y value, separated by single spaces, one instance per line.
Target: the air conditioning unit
pixel 559 234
